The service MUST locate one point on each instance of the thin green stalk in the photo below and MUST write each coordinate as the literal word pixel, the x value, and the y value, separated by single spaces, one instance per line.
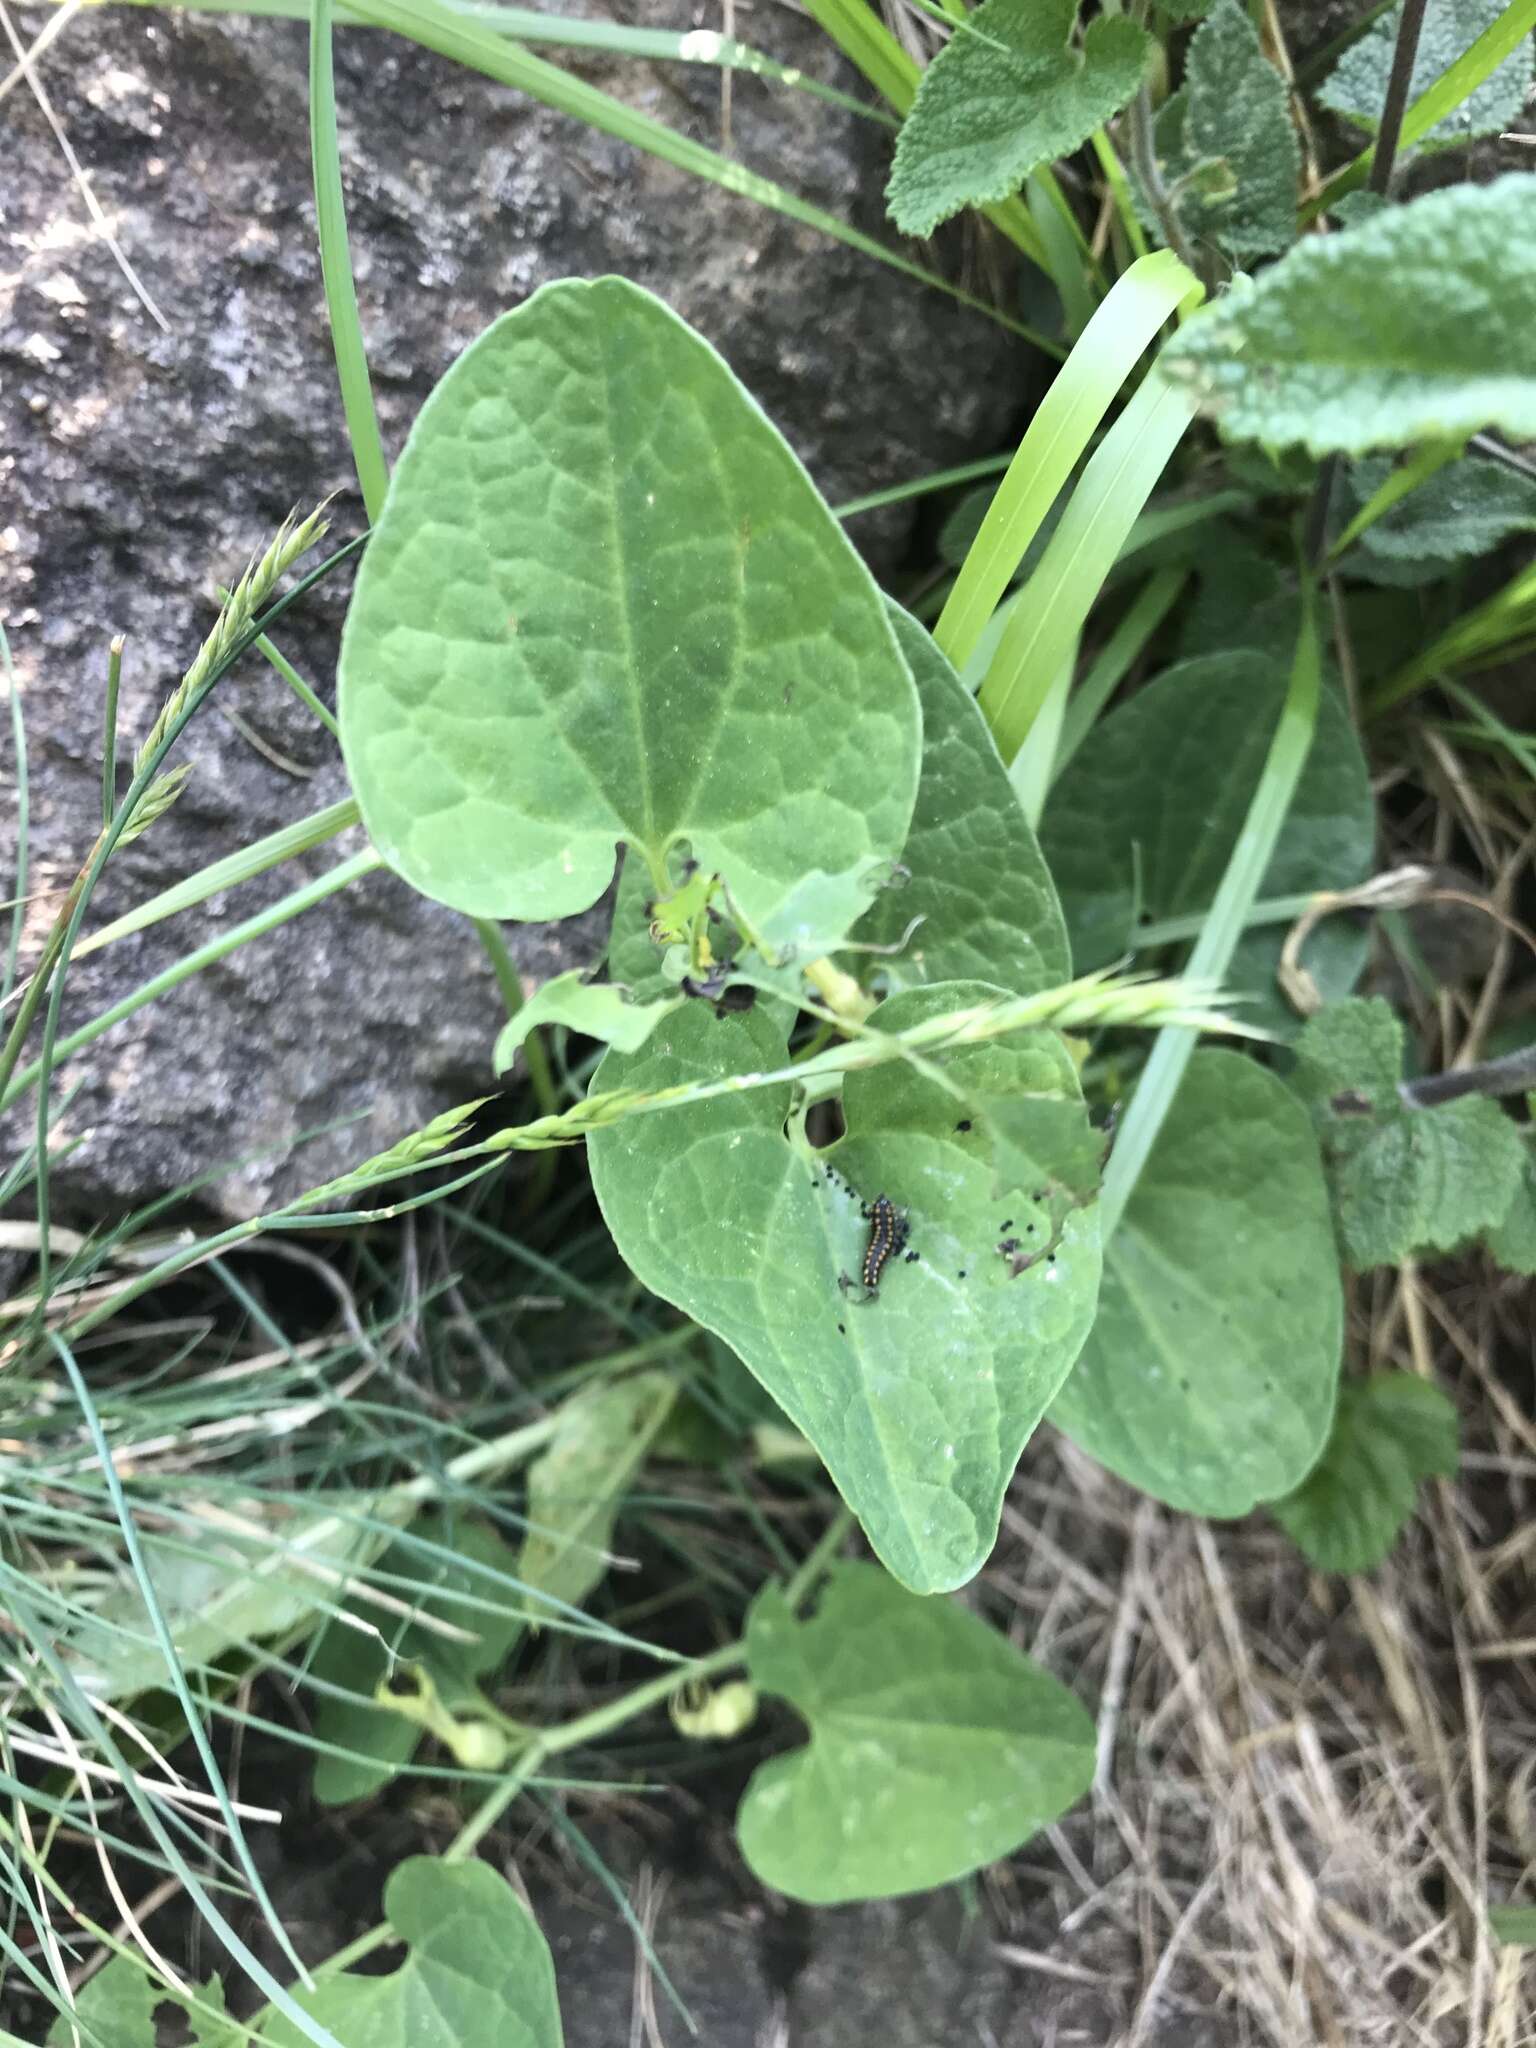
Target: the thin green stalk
pixel 51 1662
pixel 109 730
pixel 23 819
pixel 1225 921
pixel 336 269
pixel 1168 931
pixel 1056 600
pixel 1493 728
pixel 160 1629
pixel 1061 430
pixel 1421 465
pixel 940 480
pixel 285 669
pixel 1120 191
pixel 264 921
pixel 258 858
pixel 1033 766
pixel 1151 606
pixel 535 1057
pixel 1487 630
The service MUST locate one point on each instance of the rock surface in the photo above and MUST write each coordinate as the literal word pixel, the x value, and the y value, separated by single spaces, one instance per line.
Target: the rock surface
pixel 138 467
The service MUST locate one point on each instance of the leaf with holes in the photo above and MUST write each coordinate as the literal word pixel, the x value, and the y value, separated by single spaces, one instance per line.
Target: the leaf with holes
pixel 1391 1431
pixel 975 875
pixel 1412 325
pixel 919 1399
pixel 1008 93
pixel 1403 1180
pixel 605 603
pixel 935 1748
pixel 1145 820
pixel 477 1972
pixel 1208 1378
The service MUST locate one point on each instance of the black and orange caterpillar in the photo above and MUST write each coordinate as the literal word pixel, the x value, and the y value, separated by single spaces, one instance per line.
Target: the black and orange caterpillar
pixel 887 1238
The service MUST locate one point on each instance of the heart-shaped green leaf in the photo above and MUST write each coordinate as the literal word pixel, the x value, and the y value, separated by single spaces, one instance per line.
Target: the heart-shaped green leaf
pixel 935 1745
pixel 975 874
pixel 477 1975
pixel 918 1399
pixel 604 602
pixel 1208 1378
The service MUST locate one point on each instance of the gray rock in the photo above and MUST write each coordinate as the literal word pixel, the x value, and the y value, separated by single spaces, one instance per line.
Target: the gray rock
pixel 141 467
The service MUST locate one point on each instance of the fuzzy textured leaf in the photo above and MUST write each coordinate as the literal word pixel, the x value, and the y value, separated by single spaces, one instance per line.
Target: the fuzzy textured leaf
pixel 1357 85
pixel 477 1973
pixel 1463 510
pixel 1008 93
pixel 935 1748
pixel 575 1488
pixel 1143 821
pixel 1403 1180
pixel 605 603
pixel 1391 1431
pixel 1237 145
pixel 451 1581
pixel 1208 1378
pixel 1413 325
pixel 920 1399
pixel 975 872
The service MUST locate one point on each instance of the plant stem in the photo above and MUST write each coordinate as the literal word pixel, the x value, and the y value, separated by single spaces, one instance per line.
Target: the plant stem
pixel 109 730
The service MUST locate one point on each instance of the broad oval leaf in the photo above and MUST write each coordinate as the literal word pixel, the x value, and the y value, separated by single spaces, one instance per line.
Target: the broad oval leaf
pixel 1228 143
pixel 935 1748
pixel 1391 1431
pixel 920 1399
pixel 477 1973
pixel 604 602
pixel 1144 820
pixel 1208 1378
pixel 975 874
pixel 1412 325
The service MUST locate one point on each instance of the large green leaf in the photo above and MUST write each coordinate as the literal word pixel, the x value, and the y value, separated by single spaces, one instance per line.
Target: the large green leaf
pixel 1511 1242
pixel 920 1399
pixel 935 1745
pixel 1008 93
pixel 447 1572
pixel 975 873
pixel 1208 1379
pixel 477 1975
pixel 1144 820
pixel 1412 325
pixel 1357 86
pixel 1391 1431
pixel 575 1488
pixel 1235 159
pixel 604 602
pixel 1403 1180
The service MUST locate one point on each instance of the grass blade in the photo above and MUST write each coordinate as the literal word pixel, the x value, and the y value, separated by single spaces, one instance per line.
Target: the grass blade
pixel 1057 436
pixel 1226 920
